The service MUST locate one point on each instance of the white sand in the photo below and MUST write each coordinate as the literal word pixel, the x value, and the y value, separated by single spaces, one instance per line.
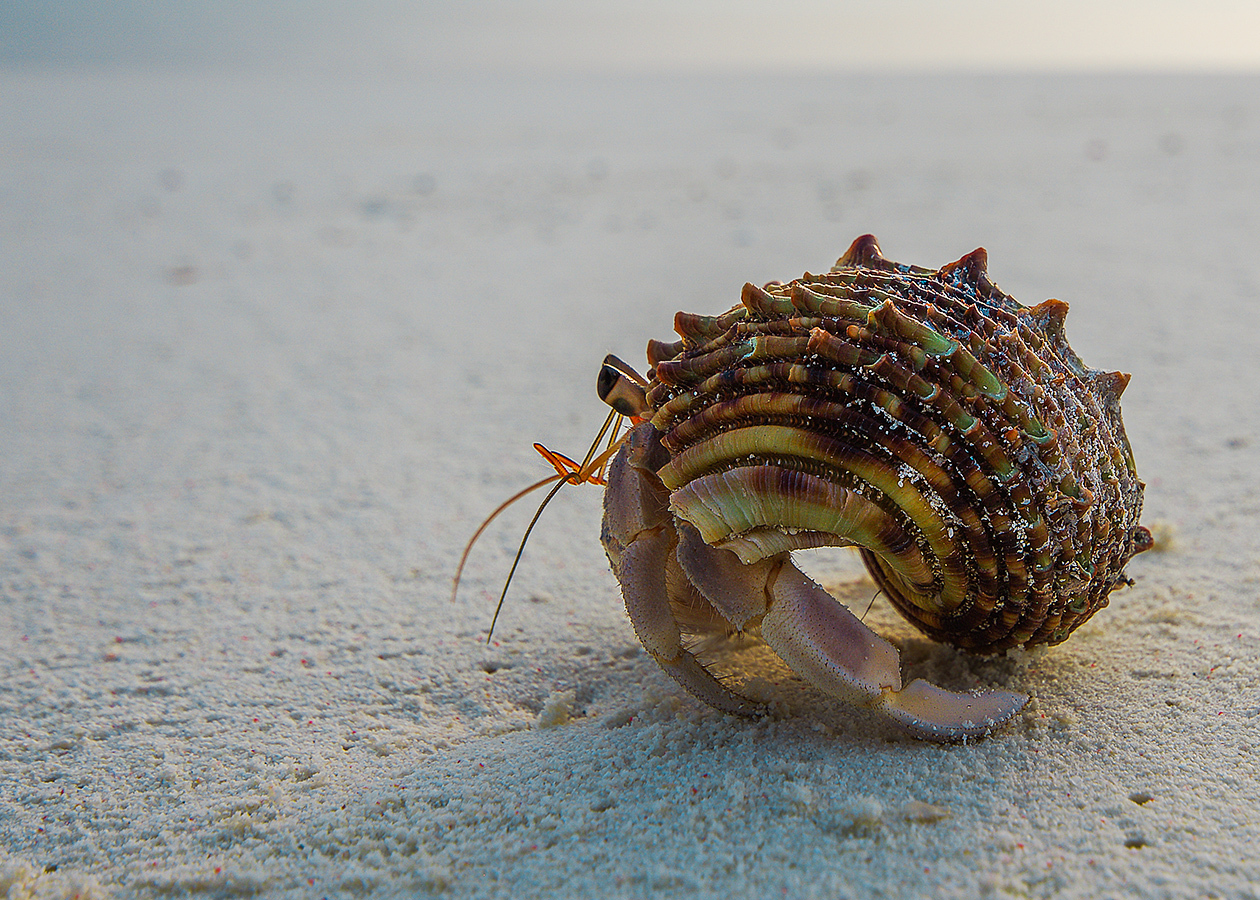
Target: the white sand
pixel 269 349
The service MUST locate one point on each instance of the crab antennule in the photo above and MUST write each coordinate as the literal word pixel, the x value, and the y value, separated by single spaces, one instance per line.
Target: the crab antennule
pixel 565 468
pixel 613 422
pixel 568 468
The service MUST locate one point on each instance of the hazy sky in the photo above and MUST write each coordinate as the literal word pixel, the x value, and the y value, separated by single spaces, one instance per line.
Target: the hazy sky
pixel 636 35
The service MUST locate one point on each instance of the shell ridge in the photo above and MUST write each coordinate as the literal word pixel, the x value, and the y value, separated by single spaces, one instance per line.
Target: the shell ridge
pixel 972 422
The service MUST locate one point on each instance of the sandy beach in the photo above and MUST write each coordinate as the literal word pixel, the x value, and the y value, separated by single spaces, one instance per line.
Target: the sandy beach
pixel 270 348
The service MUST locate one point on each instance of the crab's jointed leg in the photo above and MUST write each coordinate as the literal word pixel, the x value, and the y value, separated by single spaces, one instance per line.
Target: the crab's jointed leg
pixel 639 537
pixel 819 639
pixel 828 646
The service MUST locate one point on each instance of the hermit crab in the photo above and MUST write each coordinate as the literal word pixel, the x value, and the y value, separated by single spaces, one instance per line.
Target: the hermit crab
pixel 920 415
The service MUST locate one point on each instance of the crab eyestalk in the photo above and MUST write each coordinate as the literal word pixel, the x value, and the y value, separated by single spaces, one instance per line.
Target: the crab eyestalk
pixel 622 388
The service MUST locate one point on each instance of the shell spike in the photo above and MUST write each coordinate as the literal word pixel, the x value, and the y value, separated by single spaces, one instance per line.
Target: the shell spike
pixel 660 351
pixel 972 268
pixel 1111 384
pixel 693 328
pixel 862 252
pixel 1048 318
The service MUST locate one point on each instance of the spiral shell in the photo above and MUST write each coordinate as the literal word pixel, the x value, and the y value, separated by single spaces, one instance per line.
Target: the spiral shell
pixel 922 415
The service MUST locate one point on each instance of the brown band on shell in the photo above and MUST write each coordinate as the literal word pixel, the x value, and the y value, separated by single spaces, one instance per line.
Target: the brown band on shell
pixel 937 398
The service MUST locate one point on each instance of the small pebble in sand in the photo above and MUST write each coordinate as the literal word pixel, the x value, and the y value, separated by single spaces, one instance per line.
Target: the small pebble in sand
pixel 557 711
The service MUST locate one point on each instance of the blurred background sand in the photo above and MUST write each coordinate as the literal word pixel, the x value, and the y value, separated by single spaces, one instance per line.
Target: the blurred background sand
pixel 288 290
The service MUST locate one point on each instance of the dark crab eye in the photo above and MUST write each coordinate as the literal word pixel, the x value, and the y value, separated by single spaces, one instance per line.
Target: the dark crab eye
pixel 622 388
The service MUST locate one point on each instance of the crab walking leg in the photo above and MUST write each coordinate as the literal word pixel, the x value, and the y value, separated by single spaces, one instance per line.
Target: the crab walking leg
pixel 830 648
pixel 642 576
pixel 935 714
pixel 735 590
pixel 824 643
pixel 638 535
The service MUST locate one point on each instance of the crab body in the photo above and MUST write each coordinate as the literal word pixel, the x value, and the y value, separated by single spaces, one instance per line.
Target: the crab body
pixel 922 416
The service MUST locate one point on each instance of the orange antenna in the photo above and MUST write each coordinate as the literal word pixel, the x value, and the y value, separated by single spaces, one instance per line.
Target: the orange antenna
pixel 459 572
pixel 589 471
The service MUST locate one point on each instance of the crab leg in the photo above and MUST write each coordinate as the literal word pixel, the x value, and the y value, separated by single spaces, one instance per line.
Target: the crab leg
pixel 639 537
pixel 935 714
pixel 819 639
pixel 824 643
pixel 831 649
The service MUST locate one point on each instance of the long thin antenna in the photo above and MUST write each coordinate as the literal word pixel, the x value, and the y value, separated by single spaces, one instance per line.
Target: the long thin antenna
pixel 519 551
pixel 871 605
pixel 591 464
pixel 614 419
pixel 590 470
pixel 490 518
pixel 566 469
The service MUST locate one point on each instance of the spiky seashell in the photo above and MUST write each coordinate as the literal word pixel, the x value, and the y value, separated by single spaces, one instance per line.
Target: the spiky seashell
pixel 922 415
